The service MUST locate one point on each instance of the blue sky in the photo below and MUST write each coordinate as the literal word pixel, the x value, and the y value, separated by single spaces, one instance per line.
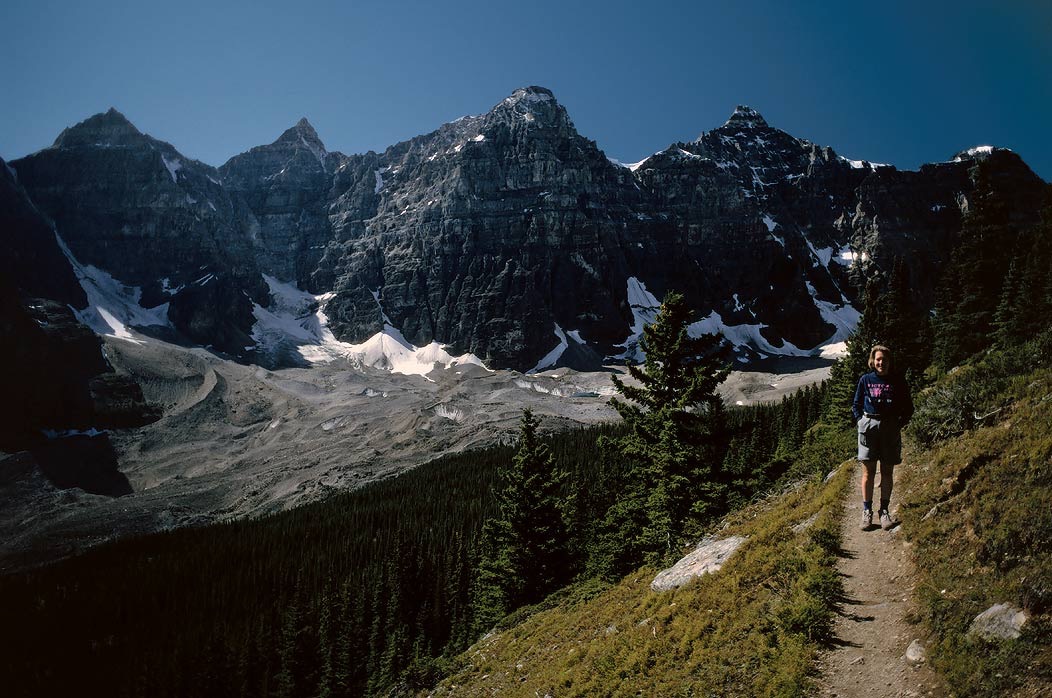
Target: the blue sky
pixel 896 82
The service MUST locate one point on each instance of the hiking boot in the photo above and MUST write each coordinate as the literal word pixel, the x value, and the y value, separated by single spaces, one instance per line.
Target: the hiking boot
pixel 885 520
pixel 867 519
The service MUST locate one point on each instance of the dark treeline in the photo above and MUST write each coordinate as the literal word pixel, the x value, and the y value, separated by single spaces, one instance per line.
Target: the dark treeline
pixel 765 439
pixel 358 595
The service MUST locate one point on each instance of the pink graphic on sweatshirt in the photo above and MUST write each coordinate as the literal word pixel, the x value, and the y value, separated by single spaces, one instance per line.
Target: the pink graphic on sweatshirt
pixel 878 390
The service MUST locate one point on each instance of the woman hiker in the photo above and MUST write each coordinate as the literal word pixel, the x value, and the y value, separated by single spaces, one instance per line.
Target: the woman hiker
pixel 882 406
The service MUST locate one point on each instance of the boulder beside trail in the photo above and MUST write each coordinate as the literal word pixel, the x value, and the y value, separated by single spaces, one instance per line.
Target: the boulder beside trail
pixel 1002 621
pixel 709 556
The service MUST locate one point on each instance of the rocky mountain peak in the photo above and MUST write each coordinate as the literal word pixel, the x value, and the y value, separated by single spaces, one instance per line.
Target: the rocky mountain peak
pixel 110 128
pixel 745 117
pixel 303 134
pixel 532 104
pixel 979 152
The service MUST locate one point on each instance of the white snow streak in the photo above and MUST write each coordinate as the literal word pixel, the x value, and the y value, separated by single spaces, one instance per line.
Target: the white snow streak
pixel 172 166
pixel 112 306
pixel 644 308
pixel 553 356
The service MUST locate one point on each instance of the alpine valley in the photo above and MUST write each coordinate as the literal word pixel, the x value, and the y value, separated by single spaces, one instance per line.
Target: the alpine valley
pixel 189 343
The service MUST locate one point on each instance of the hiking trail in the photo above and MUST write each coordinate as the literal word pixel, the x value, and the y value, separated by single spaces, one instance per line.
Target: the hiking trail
pixel 871 631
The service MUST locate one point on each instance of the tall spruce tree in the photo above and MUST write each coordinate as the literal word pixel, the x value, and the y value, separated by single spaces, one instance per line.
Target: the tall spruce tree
pixel 524 547
pixel 674 445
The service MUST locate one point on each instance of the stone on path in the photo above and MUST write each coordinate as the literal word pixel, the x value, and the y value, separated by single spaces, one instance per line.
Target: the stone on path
pixel 915 653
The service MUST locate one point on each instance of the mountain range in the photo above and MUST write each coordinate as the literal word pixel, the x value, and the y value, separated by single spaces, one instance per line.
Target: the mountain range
pixel 506 239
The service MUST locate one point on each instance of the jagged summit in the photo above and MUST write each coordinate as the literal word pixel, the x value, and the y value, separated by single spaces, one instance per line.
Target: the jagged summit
pixel 302 133
pixel 533 93
pixel 533 104
pixel 106 128
pixel 747 117
pixel 979 152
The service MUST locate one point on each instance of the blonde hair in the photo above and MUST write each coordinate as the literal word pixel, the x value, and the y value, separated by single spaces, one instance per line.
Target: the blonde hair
pixel 873 355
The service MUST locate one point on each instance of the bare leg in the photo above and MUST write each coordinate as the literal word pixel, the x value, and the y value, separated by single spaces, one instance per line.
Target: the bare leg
pixel 887 479
pixel 869 471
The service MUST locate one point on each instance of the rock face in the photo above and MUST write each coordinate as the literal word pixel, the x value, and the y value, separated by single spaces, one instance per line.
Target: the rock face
pixel 32 259
pixel 58 378
pixel 509 235
pixel 487 234
pixel 288 185
pixel 135 207
pixel 62 381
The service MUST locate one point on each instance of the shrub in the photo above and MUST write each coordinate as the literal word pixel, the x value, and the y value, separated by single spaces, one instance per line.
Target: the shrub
pixel 973 393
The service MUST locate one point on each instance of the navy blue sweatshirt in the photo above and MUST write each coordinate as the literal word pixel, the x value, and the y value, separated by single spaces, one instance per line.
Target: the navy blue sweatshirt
pixel 885 397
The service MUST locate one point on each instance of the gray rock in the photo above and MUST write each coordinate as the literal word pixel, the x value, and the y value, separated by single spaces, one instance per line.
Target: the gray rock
pixel 708 557
pixel 1001 621
pixel 806 523
pixel 915 653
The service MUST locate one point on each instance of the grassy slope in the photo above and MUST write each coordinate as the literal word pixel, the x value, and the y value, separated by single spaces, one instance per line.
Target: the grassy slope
pixel 751 630
pixel 989 540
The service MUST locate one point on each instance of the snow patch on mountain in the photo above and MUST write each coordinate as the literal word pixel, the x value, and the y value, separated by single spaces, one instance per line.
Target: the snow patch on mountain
pixel 822 255
pixel 113 307
pixel 862 164
pixel 977 150
pixel 451 413
pixel 297 320
pixel 553 356
pixel 644 308
pixel 743 335
pixel 847 256
pixel 172 166
pixel 842 316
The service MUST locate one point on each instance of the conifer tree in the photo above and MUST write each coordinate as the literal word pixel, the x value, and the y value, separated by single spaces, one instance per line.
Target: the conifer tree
pixel 674 445
pixel 524 555
pixel 967 296
pixel 1010 316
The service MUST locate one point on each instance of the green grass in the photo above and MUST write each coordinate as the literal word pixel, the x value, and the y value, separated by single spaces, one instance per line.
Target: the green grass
pixel 752 629
pixel 980 513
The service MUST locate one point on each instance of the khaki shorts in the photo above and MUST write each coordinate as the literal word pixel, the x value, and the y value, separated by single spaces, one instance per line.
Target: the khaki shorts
pixel 879 439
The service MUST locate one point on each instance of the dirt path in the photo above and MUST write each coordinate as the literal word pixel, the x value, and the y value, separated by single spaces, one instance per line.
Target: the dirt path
pixel 872 634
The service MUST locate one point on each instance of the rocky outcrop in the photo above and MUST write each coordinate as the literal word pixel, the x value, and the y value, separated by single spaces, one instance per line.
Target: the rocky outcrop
pixel 32 260
pixel 151 217
pixel 59 379
pixel 288 185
